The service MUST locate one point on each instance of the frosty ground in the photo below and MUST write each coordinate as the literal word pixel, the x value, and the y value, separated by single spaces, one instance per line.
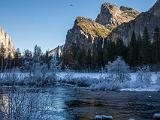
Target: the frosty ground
pixel 94 78
pixel 93 81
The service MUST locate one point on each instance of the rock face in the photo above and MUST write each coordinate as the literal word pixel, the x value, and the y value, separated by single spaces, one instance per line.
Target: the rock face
pixel 112 16
pixel 87 33
pixel 84 33
pixel 156 116
pixel 7 42
pixel 113 23
pixel 56 52
pixel 149 19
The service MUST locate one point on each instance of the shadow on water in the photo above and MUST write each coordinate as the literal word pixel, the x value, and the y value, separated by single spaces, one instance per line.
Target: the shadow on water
pixel 64 103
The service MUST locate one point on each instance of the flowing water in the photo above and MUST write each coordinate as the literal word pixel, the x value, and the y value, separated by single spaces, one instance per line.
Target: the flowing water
pixel 66 103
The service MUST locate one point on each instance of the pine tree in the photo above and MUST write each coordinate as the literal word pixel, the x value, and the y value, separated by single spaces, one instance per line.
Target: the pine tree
pixel 48 58
pixel 100 54
pixel 17 58
pixel 133 51
pixel 94 56
pixel 27 60
pixel 146 47
pixel 9 61
pixel 89 59
pixel 139 43
pixel 156 45
pixel 82 58
pixel 109 51
pixel 2 56
pixel 121 49
pixel 37 54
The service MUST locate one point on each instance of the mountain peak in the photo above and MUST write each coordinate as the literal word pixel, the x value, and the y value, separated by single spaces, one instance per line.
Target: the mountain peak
pixel 156 5
pixel 7 42
pixel 149 19
pixel 155 10
pixel 112 16
pixel 90 27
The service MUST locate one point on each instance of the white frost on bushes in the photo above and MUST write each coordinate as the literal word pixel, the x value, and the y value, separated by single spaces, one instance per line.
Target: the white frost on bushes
pixel 143 78
pixel 118 71
pixel 117 77
pixel 158 79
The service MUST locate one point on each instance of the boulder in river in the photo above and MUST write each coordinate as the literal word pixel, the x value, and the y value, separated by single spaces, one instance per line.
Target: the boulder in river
pixel 103 117
pixel 156 116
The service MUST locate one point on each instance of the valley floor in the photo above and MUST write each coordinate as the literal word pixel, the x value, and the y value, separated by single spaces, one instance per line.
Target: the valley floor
pixel 93 81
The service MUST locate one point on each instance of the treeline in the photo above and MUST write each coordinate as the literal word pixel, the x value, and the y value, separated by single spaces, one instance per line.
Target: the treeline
pixel 24 61
pixel 142 50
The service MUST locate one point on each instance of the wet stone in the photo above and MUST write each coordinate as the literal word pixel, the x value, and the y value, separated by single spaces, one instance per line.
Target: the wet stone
pixel 103 117
pixel 156 116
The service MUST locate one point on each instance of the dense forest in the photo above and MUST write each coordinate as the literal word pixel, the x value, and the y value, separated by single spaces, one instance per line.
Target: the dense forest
pixel 24 61
pixel 142 50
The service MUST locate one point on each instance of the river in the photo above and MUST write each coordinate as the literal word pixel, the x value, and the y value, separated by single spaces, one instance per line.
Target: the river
pixel 68 103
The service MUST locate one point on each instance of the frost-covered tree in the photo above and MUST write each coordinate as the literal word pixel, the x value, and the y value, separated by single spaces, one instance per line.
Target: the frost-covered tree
pixel 17 58
pixel 55 64
pixel 47 59
pixel 37 58
pixel 118 70
pixel 27 60
pixel 158 80
pixel 37 54
pixel 143 78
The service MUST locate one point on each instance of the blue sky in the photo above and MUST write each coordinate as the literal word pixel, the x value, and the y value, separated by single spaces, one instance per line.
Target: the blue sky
pixel 46 22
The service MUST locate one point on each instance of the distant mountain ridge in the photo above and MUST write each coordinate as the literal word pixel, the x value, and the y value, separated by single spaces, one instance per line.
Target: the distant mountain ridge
pixel 149 19
pixel 112 16
pixel 112 23
pixel 85 31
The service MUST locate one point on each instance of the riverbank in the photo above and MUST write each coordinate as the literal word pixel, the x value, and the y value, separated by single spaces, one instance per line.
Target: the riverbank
pixel 68 103
pixel 92 81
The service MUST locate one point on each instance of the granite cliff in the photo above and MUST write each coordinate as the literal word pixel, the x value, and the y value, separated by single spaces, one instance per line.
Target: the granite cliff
pixel 7 43
pixel 85 31
pixel 149 19
pixel 112 16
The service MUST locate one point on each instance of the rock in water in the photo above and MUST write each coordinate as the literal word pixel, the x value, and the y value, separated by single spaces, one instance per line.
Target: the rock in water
pixel 103 117
pixel 156 116
pixel 131 119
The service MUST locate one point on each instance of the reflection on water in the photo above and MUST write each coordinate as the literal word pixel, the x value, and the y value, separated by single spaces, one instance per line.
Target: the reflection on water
pixel 62 103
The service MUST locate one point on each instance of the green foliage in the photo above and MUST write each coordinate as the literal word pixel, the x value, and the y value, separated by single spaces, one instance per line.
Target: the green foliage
pixel 133 51
pixel 146 47
pixel 156 46
pixel 2 57
pixel 17 58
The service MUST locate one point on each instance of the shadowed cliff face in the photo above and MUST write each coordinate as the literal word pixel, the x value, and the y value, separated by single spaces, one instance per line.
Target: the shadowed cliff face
pixel 149 19
pixel 7 42
pixel 84 33
pixel 113 23
pixel 112 16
